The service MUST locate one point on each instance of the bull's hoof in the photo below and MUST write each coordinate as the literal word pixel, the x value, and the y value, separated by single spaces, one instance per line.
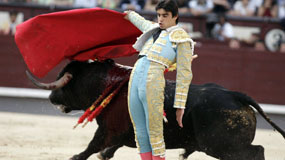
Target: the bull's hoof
pixel 181 157
pixel 76 157
pixel 100 156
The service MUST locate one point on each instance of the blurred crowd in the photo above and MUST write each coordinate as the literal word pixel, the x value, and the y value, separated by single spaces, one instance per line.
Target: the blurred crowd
pixel 261 8
pixel 217 25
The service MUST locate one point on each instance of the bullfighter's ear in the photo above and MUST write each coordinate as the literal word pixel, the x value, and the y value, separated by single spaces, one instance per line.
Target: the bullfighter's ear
pixel 110 61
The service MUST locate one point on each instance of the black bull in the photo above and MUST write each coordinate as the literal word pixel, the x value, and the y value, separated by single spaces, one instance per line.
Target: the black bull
pixel 217 121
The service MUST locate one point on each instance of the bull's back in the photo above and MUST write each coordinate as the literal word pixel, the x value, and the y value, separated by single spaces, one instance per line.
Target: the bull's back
pixel 219 120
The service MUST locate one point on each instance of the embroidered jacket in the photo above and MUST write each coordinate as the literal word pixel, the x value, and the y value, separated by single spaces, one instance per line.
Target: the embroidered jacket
pixel 173 45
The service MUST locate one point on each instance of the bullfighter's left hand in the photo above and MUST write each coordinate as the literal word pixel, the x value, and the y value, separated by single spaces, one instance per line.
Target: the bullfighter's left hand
pixel 179 116
pixel 194 57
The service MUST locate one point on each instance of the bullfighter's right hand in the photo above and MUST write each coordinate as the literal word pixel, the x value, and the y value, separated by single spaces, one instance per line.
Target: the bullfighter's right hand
pixel 127 14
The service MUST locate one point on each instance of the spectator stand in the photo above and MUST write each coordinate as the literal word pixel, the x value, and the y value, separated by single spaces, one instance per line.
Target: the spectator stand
pixel 257 73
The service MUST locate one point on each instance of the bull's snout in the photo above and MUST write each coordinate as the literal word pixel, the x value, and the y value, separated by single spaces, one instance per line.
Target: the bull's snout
pixel 58 105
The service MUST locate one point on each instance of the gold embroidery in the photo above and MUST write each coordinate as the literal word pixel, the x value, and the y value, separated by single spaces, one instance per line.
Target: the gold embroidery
pixel 181 90
pixel 180 104
pixel 146 47
pixel 155 101
pixel 163 34
pixel 159 151
pixel 179 36
pixel 184 74
pixel 159 59
pixel 174 45
pixel 143 52
pixel 156 49
pixel 161 41
pixel 181 96
pixel 149 42
pixel 157 145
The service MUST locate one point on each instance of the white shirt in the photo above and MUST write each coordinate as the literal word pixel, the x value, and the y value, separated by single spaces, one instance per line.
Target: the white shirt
pixel 243 9
pixel 134 3
pixel 85 3
pixel 227 31
pixel 255 3
pixel 202 8
pixel 281 9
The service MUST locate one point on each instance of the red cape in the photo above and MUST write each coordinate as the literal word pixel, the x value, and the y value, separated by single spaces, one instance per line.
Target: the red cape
pixel 80 34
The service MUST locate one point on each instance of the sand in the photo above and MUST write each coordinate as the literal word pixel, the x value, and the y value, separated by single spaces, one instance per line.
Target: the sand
pixel 42 137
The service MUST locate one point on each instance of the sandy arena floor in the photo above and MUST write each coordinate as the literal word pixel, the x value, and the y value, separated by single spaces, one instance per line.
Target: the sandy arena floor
pixel 38 137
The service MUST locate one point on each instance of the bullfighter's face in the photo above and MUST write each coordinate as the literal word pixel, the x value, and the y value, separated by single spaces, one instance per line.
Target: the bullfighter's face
pixel 165 19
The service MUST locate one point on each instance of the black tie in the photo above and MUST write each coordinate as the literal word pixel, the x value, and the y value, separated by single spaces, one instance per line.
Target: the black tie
pixel 156 35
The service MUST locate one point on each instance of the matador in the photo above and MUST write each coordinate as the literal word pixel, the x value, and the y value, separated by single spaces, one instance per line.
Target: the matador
pixel 161 45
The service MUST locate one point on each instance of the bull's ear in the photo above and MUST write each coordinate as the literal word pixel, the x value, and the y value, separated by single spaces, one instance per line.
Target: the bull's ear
pixel 110 61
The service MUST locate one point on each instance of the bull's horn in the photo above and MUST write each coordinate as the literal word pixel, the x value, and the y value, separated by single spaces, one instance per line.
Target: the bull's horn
pixel 51 86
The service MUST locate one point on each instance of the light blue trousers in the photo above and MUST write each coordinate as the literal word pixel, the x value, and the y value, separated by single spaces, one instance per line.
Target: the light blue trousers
pixel 146 98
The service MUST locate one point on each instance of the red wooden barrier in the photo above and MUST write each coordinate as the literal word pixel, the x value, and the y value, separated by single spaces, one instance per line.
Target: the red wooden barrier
pixel 260 74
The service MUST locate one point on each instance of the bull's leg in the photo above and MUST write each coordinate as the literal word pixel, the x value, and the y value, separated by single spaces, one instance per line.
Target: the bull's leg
pixel 108 153
pixel 117 142
pixel 94 146
pixel 249 153
pixel 186 153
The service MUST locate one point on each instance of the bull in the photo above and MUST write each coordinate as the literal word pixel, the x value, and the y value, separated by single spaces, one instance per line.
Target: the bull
pixel 217 121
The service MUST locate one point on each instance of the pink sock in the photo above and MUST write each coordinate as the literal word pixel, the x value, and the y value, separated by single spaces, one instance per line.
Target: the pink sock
pixel 146 156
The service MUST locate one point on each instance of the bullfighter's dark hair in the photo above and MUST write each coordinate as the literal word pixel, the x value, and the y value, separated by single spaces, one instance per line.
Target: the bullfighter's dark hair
pixel 169 6
pixel 13 13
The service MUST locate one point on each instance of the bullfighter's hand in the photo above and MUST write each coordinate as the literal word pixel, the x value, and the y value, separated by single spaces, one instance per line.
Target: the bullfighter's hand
pixel 179 116
pixel 127 14
pixel 194 57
